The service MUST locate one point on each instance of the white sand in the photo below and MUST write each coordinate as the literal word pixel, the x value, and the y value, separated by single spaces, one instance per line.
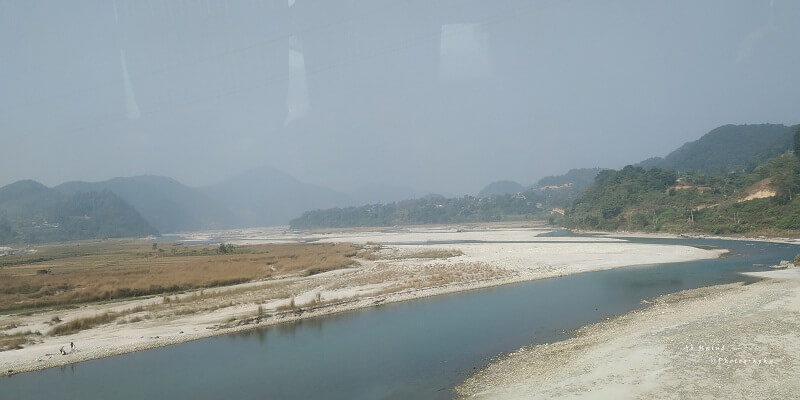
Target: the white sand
pixel 730 341
pixel 394 278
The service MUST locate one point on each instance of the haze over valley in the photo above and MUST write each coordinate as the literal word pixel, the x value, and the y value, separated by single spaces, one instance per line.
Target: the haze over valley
pixel 410 199
pixel 450 97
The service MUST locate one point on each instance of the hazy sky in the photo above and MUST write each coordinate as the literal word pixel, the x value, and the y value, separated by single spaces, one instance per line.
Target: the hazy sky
pixel 441 96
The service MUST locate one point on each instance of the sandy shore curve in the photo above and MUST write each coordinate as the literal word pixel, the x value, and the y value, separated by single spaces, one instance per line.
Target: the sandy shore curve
pixel 728 341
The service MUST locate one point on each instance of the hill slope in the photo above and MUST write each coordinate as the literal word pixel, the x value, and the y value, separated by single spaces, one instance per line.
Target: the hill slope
pixel 578 178
pixel 167 204
pixel 762 201
pixel 728 148
pixel 500 188
pixel 32 213
pixel 259 197
pixel 504 200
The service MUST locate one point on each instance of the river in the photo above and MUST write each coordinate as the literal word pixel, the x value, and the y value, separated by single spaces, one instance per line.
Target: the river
pixel 417 349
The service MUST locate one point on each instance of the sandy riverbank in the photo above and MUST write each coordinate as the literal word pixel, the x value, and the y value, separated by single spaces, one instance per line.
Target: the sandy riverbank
pixel 399 271
pixel 729 341
pixel 667 235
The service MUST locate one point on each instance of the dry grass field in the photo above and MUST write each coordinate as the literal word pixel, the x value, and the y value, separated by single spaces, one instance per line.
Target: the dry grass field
pixel 133 281
pixel 60 275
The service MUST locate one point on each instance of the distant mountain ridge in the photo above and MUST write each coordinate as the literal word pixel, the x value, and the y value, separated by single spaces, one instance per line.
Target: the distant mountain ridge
pixel 728 148
pixel 258 197
pixel 266 196
pixel 499 201
pixel 735 179
pixel 166 203
pixel 32 213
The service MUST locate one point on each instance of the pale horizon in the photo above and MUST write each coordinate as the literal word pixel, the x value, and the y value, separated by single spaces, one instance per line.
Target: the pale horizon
pixel 445 99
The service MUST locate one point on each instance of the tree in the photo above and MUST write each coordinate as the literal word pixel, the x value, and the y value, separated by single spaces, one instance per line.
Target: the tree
pixel 797 141
pixel 225 248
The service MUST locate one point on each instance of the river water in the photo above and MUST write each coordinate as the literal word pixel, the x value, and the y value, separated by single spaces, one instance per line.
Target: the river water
pixel 412 350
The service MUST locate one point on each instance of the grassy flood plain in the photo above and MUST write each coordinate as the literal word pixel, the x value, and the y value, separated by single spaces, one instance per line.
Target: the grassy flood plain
pixel 88 272
pixel 64 276
pixel 129 281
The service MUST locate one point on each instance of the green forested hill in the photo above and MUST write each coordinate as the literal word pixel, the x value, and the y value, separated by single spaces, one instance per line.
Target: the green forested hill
pixel 579 178
pixel 634 198
pixel 728 148
pixel 427 210
pixel 561 190
pixel 539 202
pixel 32 213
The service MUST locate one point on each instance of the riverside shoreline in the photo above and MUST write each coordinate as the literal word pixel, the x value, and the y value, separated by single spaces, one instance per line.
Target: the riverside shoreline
pixel 504 259
pixel 726 341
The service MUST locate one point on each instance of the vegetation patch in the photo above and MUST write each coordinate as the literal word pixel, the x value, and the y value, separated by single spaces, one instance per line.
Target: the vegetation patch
pixel 16 341
pixel 432 254
pixel 655 199
pixel 79 324
pixel 535 203
pixel 127 269
pixel 34 213
pixel 287 307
